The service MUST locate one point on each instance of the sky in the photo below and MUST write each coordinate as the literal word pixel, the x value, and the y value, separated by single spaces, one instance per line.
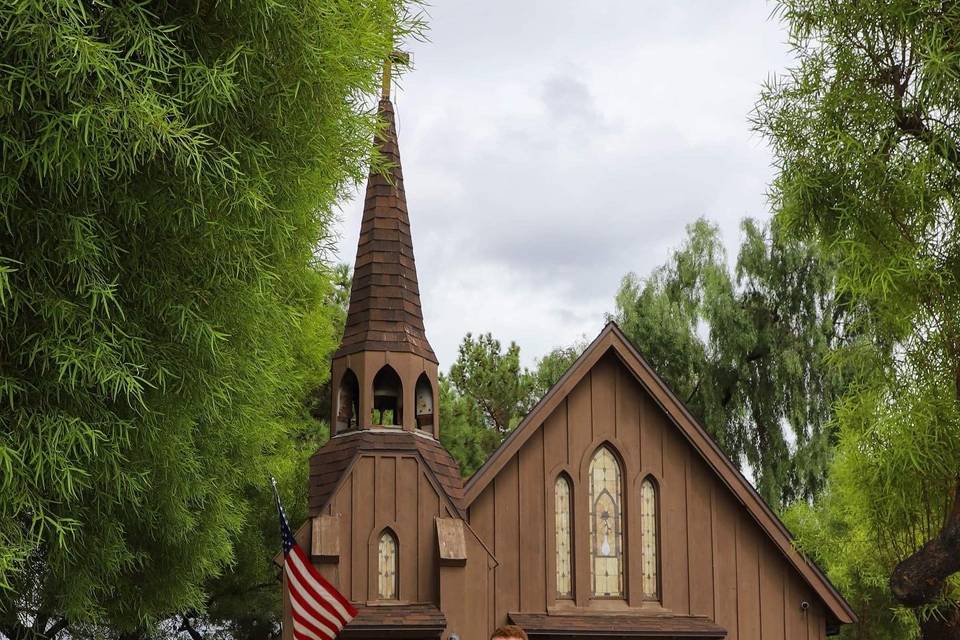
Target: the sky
pixel 549 147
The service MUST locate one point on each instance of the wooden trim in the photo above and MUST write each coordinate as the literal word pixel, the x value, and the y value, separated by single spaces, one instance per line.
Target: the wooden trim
pixel 613 339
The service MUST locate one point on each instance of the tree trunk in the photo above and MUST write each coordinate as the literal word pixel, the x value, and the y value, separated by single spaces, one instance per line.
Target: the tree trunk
pixel 920 578
pixel 945 628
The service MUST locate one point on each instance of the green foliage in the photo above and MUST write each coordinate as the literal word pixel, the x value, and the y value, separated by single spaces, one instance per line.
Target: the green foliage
pixel 494 381
pixel 866 130
pixel 463 430
pixel 552 366
pixel 488 393
pixel 244 602
pixel 747 350
pixel 166 176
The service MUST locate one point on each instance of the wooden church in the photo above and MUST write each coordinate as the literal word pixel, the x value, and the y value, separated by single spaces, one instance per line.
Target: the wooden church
pixel 609 512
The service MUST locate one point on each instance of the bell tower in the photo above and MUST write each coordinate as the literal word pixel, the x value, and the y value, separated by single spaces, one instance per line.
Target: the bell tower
pixel 385 372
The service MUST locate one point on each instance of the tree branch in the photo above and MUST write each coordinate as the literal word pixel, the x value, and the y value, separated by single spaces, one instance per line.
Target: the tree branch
pixel 56 628
pixel 920 578
pixel 186 626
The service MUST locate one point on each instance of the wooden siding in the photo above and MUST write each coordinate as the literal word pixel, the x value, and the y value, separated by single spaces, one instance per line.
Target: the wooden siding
pixel 714 558
pixel 387 490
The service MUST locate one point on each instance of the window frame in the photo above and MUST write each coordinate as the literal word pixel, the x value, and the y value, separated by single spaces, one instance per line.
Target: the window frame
pixel 388 532
pixel 619 525
pixel 658 577
pixel 570 596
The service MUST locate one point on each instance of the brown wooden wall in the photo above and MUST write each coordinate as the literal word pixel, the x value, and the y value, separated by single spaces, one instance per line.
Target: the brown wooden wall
pixel 715 560
pixel 388 490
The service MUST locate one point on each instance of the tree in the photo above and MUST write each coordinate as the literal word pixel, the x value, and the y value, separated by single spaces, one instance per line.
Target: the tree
pixel 488 393
pixel 167 173
pixel 747 351
pixel 551 367
pixel 865 131
pixel 243 603
pixel 501 388
pixel 463 429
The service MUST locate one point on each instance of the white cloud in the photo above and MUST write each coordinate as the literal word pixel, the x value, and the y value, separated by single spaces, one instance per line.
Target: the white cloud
pixel 550 147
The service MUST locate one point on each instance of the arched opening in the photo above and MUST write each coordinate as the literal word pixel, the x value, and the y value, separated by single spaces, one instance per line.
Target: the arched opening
pixel 650 538
pixel 348 402
pixel 606 524
pixel 424 403
pixel 387 398
pixel 563 514
pixel 387 562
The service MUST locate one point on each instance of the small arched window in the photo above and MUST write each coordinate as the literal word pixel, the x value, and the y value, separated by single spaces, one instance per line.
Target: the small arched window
pixel 564 537
pixel 649 539
pixel 348 398
pixel 387 553
pixel 387 398
pixel 424 401
pixel 606 525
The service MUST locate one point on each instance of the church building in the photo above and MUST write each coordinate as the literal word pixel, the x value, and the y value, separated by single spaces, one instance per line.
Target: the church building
pixel 609 512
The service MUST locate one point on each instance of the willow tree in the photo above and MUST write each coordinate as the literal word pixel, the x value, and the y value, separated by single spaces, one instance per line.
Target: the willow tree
pixel 747 348
pixel 166 175
pixel 866 132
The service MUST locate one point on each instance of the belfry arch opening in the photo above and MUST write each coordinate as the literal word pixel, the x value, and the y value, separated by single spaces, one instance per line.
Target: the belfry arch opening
pixel 348 402
pixel 387 398
pixel 424 403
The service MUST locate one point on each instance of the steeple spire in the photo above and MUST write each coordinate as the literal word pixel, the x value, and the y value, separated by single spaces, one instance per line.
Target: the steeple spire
pixel 385 312
pixel 385 371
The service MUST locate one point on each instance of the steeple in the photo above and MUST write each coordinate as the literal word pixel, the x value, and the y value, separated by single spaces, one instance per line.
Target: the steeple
pixel 385 312
pixel 385 371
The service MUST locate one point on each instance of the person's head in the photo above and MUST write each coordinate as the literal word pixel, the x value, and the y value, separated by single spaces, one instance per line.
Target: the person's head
pixel 509 632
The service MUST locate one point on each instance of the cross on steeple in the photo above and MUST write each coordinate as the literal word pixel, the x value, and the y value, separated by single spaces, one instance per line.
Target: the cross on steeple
pixel 397 57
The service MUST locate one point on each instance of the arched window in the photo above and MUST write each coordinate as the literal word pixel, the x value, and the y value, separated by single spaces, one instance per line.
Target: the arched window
pixel 387 566
pixel 424 402
pixel 606 525
pixel 387 398
pixel 649 537
pixel 564 538
pixel 348 398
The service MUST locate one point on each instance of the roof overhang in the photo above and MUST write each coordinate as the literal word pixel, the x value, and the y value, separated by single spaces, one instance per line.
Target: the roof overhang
pixel 396 621
pixel 611 626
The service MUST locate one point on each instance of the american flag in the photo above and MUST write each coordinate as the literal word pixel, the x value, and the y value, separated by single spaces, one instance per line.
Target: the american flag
pixel 319 610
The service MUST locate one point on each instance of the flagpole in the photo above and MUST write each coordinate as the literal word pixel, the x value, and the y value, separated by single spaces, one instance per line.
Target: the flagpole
pixel 276 497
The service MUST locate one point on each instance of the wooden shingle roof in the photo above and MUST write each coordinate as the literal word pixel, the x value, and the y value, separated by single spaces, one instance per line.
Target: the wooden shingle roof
pixel 396 621
pixel 331 462
pixel 385 312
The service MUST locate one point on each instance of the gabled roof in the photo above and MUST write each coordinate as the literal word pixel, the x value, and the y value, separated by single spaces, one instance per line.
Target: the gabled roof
pixel 613 339
pixel 384 312
pixel 332 462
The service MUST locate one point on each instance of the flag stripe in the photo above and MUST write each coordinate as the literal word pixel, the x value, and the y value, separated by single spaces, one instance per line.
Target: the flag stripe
pixel 304 615
pixel 309 587
pixel 323 588
pixel 309 595
pixel 304 632
pixel 345 609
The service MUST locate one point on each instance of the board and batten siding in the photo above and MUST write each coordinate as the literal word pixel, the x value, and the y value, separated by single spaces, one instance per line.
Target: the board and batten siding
pixel 714 558
pixel 393 490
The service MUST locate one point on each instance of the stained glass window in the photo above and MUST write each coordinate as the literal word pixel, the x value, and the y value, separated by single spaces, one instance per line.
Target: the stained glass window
pixel 648 536
pixel 387 567
pixel 606 525
pixel 564 539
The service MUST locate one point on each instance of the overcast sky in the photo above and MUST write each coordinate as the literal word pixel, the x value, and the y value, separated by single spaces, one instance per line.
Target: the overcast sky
pixel 551 146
